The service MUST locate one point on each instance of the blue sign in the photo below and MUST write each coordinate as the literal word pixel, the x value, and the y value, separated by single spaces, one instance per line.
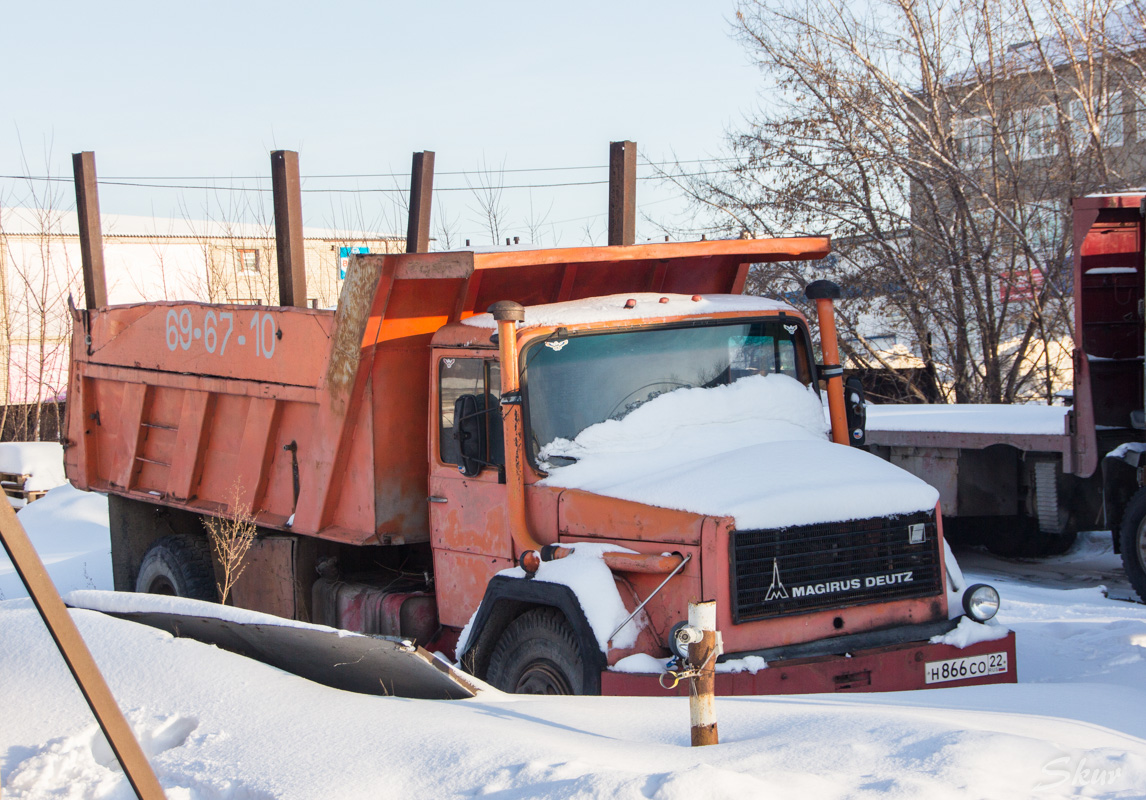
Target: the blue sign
pixel 344 254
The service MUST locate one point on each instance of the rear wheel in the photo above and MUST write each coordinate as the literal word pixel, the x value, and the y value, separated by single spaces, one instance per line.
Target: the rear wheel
pixel 178 565
pixel 539 654
pixel 1133 540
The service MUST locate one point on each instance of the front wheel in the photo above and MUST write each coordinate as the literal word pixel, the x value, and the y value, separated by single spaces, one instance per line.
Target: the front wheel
pixel 178 565
pixel 1133 541
pixel 539 654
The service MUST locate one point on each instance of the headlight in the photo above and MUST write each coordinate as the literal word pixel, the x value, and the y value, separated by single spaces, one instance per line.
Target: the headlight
pixel 981 602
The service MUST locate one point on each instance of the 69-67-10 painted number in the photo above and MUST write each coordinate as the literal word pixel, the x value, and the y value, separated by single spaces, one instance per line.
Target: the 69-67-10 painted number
pixel 216 329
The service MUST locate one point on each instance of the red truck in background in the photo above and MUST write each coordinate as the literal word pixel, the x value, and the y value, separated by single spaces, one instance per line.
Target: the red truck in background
pixel 1031 478
pixel 397 455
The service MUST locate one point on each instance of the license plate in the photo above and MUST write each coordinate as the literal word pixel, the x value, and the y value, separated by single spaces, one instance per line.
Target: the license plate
pixel 958 669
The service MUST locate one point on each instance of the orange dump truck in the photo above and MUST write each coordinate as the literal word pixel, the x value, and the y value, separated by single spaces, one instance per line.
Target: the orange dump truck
pixel 624 432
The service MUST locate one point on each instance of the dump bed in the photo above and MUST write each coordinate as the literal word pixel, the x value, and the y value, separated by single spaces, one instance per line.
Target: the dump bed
pixel 317 420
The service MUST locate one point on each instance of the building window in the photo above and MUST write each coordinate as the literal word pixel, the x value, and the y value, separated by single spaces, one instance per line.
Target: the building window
pixel 972 137
pixel 248 260
pixel 1079 126
pixel 1140 116
pixel 1034 133
pixel 1111 120
pixel 1113 134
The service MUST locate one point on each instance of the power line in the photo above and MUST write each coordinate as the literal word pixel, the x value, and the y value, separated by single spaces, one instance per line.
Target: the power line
pixel 369 190
pixel 132 180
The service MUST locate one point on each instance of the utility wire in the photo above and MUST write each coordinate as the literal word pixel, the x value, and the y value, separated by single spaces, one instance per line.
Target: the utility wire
pixel 131 180
pixel 371 190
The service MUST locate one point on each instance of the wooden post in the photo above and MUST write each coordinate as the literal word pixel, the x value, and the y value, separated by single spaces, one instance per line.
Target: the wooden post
pixel 77 656
pixel 288 228
pixel 91 237
pixel 421 193
pixel 622 192
pixel 702 655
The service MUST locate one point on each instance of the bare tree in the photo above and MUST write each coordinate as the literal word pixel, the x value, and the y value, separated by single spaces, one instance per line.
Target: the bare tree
pixel 536 220
pixel 231 538
pixel 939 144
pixel 487 188
pixel 38 276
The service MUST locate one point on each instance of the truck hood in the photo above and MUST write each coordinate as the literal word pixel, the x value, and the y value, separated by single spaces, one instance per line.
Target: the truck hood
pixel 756 450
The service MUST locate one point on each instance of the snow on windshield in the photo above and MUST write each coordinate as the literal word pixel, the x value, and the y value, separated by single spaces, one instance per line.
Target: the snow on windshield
pixel 755 450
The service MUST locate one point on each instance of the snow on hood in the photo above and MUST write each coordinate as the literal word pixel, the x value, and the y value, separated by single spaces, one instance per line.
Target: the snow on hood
pixel 755 450
pixel 647 305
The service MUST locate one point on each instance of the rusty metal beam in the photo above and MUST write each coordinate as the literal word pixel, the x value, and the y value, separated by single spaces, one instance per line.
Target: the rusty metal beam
pixel 421 194
pixel 77 656
pixel 622 193
pixel 91 237
pixel 288 228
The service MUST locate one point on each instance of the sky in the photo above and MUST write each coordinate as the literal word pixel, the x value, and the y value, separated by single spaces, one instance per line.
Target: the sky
pixel 208 89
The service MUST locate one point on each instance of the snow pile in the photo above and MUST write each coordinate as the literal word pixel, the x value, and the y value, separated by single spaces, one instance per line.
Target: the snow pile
pixel 755 450
pixel 43 462
pixel 220 726
pixel 969 632
pixel 586 573
pixel 646 306
pixel 131 603
pixel 645 664
pixel 751 664
pixel 985 418
pixel 641 664
pixel 69 530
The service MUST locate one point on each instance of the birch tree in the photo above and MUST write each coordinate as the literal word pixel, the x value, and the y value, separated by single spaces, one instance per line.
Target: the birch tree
pixel 939 143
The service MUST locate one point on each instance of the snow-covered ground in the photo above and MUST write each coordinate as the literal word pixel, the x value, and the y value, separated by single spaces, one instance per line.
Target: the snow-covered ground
pixel 219 726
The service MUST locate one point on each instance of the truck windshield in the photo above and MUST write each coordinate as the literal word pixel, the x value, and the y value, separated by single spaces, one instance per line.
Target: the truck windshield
pixel 573 383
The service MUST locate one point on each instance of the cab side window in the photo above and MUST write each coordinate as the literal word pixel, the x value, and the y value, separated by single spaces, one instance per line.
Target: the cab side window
pixel 479 377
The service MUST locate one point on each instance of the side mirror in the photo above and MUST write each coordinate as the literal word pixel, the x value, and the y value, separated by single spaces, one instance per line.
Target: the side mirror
pixel 856 407
pixel 470 431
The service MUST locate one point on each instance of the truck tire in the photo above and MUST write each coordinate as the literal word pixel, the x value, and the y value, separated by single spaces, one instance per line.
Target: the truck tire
pixel 1133 540
pixel 179 565
pixel 538 654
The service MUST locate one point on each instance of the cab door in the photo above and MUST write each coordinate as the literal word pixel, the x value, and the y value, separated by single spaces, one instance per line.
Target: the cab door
pixel 469 528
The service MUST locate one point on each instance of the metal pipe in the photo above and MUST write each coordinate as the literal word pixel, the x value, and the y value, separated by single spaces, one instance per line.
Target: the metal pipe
pixel 645 602
pixel 702 655
pixel 507 314
pixel 622 562
pixel 824 293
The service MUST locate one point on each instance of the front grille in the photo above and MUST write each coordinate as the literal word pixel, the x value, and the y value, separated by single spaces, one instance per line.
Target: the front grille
pixel 832 565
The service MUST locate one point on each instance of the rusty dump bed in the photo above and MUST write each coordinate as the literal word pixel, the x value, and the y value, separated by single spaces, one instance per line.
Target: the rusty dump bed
pixel 317 420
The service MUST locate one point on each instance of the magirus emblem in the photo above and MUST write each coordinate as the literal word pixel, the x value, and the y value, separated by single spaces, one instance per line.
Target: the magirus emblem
pixel 776 591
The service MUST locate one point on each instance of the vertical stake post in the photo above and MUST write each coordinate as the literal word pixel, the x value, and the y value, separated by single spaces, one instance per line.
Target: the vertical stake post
pixel 77 656
pixel 702 654
pixel 289 243
pixel 421 193
pixel 91 237
pixel 622 192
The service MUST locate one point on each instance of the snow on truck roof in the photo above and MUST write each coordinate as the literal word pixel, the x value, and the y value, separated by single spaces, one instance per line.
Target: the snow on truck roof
pixel 635 306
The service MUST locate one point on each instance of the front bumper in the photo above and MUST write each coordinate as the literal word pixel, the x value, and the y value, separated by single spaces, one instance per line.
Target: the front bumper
pixel 888 668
